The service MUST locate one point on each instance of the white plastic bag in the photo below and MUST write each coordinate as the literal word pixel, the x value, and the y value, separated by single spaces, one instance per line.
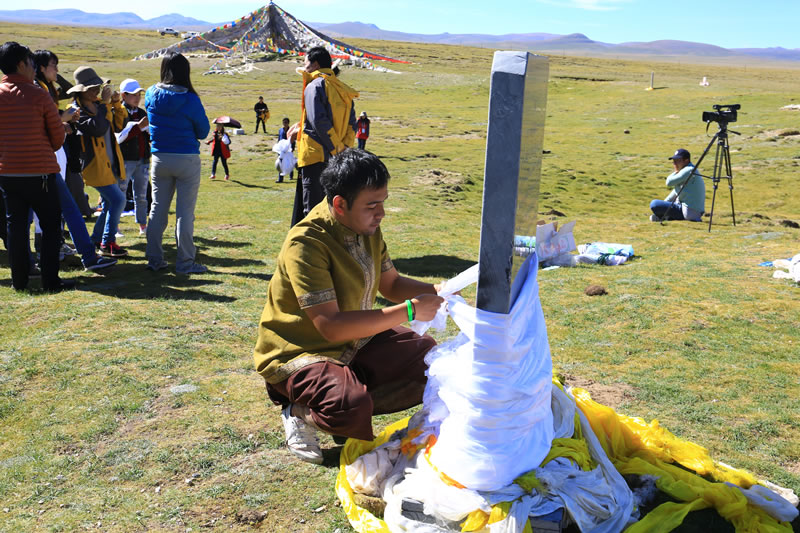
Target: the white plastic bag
pixel 286 159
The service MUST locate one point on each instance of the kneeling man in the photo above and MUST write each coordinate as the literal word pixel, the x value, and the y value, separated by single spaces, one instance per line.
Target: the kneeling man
pixel 329 359
pixel 688 197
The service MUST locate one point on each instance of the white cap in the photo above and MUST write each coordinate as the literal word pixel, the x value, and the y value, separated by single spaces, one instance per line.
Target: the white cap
pixel 130 86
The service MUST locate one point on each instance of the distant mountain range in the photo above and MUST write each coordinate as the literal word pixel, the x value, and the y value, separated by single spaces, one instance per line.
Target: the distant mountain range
pixel 572 44
pixel 76 17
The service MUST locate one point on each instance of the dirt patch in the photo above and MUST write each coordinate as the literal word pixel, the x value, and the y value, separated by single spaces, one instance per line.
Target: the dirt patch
pixel 435 176
pixel 250 516
pixel 782 133
pixel 223 227
pixel 610 395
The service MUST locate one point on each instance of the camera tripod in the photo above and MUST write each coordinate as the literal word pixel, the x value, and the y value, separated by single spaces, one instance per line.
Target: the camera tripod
pixel 722 167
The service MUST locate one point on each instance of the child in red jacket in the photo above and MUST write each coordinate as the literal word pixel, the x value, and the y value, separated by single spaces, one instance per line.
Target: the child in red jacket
pixel 219 149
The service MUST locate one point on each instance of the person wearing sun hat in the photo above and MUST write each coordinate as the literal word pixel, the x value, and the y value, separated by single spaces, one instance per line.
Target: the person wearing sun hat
pixel 101 114
pixel 136 149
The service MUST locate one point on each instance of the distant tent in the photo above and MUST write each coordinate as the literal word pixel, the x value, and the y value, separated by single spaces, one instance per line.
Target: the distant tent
pixel 268 29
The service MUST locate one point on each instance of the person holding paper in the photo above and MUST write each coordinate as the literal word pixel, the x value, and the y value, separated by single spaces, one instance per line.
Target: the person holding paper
pixel 329 359
pixel 135 148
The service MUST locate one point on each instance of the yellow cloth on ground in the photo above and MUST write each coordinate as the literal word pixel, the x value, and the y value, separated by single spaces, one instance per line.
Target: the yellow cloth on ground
pixel 634 447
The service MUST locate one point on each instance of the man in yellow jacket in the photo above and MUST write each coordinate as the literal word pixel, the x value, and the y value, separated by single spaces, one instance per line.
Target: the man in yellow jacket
pixel 327 127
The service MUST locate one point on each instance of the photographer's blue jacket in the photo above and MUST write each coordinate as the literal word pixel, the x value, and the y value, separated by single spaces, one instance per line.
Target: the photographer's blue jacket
pixel 693 194
pixel 177 119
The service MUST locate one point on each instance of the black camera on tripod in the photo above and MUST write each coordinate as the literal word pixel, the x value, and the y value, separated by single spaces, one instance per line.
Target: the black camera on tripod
pixel 722 114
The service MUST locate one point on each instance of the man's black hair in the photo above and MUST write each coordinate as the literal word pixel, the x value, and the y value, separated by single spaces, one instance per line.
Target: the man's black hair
pixel 175 70
pixel 41 59
pixel 320 56
pixel 351 171
pixel 11 53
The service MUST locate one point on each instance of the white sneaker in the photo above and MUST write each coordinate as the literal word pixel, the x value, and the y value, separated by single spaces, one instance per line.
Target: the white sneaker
pixel 654 218
pixel 119 235
pixel 300 437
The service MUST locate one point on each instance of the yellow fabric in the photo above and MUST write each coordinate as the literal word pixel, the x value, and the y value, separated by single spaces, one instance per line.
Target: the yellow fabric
pixel 98 172
pixel 361 519
pixel 634 447
pixel 340 98
pixel 575 450
pixel 476 520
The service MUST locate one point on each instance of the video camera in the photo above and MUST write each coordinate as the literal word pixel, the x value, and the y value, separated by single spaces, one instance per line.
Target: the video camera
pixel 722 114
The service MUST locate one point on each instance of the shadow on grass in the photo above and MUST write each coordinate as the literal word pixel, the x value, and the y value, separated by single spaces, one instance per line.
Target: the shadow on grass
pixel 218 243
pixel 445 266
pixel 248 185
pixel 132 281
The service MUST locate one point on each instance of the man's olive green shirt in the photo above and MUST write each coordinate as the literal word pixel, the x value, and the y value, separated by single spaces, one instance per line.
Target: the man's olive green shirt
pixel 320 261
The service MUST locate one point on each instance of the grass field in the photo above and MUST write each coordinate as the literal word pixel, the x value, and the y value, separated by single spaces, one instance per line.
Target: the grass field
pixel 94 433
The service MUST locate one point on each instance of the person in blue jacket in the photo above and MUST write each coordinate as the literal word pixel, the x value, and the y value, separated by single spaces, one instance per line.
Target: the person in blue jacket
pixel 688 196
pixel 177 122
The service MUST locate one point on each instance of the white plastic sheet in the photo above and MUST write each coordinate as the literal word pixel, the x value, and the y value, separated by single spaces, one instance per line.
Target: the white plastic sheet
pixel 490 388
pixel 286 159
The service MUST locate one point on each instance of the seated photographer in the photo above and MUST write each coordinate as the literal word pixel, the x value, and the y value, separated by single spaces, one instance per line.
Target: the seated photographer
pixel 688 197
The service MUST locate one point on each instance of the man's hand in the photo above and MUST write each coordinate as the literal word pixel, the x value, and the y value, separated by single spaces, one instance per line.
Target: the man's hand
pixel 105 95
pixel 425 306
pixel 69 114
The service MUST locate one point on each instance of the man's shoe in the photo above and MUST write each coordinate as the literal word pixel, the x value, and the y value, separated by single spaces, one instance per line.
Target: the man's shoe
pixel 194 268
pixel 66 250
pixel 654 218
pixel 301 438
pixel 142 230
pixel 227 177
pixel 212 176
pixel 62 285
pixel 99 263
pixel 155 266
pixel 113 249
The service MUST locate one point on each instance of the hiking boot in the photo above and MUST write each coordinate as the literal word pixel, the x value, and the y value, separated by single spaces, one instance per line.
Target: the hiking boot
pixel 99 263
pixel 113 249
pixel 301 439
pixel 194 268
pixel 155 266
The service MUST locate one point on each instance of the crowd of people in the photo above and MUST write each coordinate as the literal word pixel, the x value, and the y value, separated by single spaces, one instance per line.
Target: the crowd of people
pixel 328 358
pixel 101 139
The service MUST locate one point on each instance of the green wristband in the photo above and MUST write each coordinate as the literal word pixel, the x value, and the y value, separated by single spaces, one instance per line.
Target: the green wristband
pixel 410 308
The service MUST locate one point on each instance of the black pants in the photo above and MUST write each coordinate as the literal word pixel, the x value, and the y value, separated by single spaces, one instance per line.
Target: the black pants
pixel 263 125
pixel 74 183
pixel 214 165
pixel 21 194
pixel 362 144
pixel 309 191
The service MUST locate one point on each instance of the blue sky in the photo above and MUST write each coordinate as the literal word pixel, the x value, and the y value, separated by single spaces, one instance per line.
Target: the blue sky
pixel 731 23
